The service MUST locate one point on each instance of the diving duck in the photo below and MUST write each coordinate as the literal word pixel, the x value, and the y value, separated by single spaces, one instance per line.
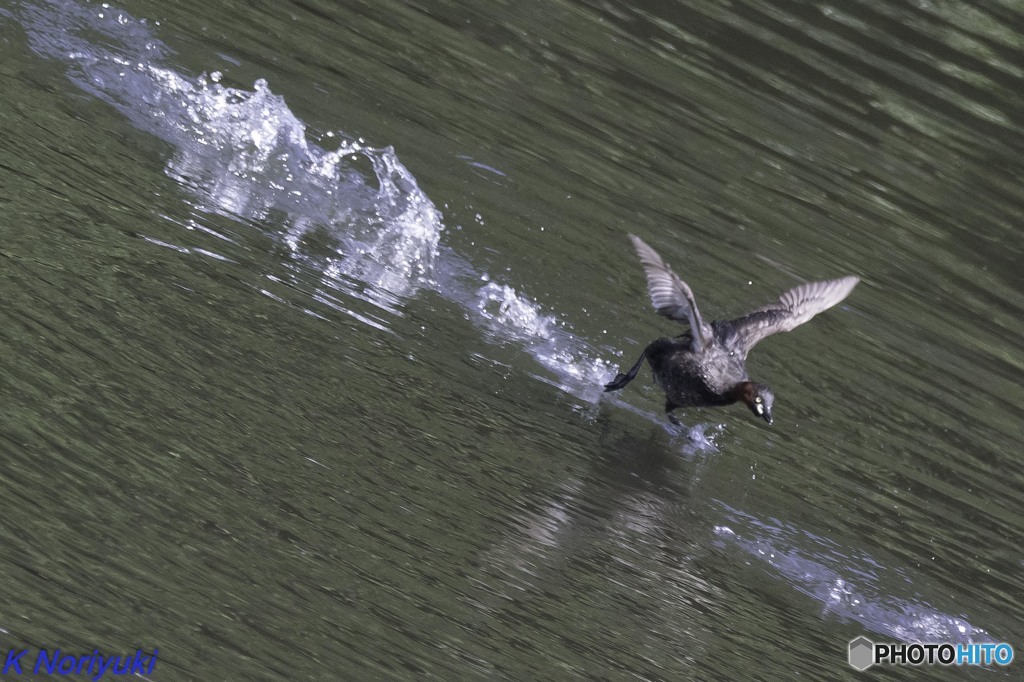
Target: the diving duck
pixel 706 365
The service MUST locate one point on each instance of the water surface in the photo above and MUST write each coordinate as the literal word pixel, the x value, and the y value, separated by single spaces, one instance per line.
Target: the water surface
pixel 308 306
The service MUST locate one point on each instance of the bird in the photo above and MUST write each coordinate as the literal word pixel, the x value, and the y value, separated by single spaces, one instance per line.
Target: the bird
pixel 706 365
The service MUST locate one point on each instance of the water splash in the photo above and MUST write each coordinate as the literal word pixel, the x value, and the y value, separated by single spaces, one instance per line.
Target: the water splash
pixel 506 311
pixel 244 154
pixel 577 367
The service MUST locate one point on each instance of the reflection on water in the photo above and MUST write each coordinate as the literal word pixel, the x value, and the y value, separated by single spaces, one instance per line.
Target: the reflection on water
pixel 491 526
pixel 857 598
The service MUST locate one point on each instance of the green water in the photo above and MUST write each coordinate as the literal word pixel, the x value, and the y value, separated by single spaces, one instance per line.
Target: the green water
pixel 214 445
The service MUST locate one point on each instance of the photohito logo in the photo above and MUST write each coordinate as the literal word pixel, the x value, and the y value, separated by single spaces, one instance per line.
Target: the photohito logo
pixel 864 653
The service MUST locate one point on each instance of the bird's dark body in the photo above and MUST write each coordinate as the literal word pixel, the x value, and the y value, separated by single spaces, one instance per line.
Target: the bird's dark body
pixel 708 378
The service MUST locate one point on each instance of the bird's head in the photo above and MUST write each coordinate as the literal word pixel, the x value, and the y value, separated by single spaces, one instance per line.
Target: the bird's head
pixel 759 398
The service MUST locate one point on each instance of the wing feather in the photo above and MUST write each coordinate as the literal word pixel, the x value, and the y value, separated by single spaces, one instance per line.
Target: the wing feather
pixel 796 306
pixel 670 295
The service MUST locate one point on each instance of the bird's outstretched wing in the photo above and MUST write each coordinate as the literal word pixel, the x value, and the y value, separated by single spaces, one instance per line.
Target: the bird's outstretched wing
pixel 796 306
pixel 670 295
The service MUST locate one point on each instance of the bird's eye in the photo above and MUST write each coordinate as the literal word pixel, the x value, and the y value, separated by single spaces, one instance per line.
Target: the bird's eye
pixel 757 399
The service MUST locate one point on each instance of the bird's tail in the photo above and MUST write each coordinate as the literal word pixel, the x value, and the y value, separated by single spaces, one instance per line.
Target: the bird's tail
pixel 621 380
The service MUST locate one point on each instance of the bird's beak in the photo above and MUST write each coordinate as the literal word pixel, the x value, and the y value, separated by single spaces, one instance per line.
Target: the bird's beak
pixel 768 417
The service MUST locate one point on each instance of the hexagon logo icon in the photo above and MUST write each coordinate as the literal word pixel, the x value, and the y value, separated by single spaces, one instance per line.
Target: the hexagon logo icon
pixel 862 653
